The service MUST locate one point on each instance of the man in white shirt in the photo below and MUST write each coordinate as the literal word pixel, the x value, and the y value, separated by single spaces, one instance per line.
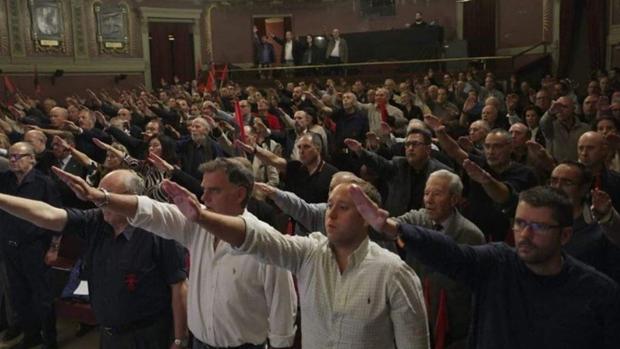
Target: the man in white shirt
pixel 337 50
pixel 234 301
pixel 353 293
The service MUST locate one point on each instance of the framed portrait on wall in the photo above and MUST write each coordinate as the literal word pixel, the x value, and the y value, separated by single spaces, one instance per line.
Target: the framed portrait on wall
pixel 112 31
pixel 47 22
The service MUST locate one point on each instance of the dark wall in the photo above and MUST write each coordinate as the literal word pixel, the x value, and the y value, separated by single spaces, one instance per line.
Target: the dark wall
pixel 232 25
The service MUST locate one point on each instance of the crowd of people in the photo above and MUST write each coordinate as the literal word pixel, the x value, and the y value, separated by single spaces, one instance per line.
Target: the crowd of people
pixel 444 210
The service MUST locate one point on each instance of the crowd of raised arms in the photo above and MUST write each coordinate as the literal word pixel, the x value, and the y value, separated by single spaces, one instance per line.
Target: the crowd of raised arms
pixel 437 209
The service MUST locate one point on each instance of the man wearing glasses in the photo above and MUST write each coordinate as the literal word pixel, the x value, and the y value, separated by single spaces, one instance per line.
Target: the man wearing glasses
pixel 24 246
pixel 494 179
pixel 531 296
pixel 405 176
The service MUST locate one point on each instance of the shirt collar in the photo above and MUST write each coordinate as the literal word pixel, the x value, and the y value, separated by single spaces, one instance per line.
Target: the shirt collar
pixel 128 232
pixel 358 256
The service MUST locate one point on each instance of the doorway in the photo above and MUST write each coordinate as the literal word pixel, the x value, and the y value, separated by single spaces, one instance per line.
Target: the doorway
pixel 276 25
pixel 171 47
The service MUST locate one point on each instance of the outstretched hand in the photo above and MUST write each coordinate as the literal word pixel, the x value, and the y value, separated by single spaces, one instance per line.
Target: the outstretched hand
pixel 433 122
pixel 159 163
pixel 475 172
pixel 79 186
pixel 371 213
pixel 265 189
pixel 244 146
pixel 353 145
pixel 601 203
pixel 187 202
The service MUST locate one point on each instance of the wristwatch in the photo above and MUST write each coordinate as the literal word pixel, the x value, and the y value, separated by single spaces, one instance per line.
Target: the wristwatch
pixel 182 343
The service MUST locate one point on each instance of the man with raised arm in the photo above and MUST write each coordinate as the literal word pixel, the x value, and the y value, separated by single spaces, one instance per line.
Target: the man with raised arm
pixel 353 293
pixel 531 296
pixel 234 301
pixel 136 280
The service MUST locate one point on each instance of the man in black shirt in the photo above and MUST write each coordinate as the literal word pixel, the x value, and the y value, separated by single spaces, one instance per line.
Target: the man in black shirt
pixel 308 177
pixel 24 245
pixel 494 180
pixel 534 296
pixel 136 280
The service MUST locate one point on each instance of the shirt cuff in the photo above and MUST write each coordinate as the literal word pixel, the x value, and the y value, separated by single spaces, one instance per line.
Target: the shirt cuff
pixel 144 211
pixel 281 341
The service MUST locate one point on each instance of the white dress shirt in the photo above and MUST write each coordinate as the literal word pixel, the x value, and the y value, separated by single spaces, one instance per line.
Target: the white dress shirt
pixel 336 51
pixel 288 51
pixel 232 299
pixel 375 303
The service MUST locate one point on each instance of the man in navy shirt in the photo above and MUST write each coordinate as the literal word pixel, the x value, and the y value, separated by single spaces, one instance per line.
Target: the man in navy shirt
pixel 136 280
pixel 531 296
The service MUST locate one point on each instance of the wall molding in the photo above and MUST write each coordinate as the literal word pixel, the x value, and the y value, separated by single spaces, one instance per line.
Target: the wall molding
pixel 69 66
pixel 511 51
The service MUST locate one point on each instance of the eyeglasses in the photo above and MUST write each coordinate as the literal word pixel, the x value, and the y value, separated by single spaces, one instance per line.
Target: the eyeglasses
pixel 414 144
pixel 17 157
pixel 538 228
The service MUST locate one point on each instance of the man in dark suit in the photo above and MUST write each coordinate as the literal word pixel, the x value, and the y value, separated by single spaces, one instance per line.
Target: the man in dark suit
pixel 292 48
pixel 441 196
pixel 404 176
pixel 65 161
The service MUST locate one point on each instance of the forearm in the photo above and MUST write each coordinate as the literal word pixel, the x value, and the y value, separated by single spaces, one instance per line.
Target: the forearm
pixel 308 215
pixel 611 226
pixel 227 228
pixel 179 309
pixel 38 213
pixel 496 190
pixel 82 158
pixel 450 146
pixel 270 158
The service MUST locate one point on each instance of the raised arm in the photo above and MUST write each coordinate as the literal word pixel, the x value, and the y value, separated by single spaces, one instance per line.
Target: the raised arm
pixel 606 215
pixel 36 212
pixel 449 145
pixel 264 155
pixel 495 189
pixel 311 216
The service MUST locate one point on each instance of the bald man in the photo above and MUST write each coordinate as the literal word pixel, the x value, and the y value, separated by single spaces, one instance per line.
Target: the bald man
pixel 24 245
pixel 136 279
pixel 593 152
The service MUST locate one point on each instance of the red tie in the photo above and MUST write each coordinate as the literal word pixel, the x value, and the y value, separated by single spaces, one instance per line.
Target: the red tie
pixel 384 113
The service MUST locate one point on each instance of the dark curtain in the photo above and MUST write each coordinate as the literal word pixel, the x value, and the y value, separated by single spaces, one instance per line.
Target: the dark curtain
pixel 596 16
pixel 170 58
pixel 568 26
pixel 479 27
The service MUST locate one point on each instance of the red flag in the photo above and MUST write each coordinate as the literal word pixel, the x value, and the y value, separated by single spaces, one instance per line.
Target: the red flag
pixel 211 79
pixel 441 323
pixel 224 74
pixel 239 117
pixel 8 85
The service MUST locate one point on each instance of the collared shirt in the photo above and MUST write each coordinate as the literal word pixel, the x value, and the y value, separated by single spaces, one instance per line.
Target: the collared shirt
pixel 232 299
pixel 129 275
pixel 288 51
pixel 374 116
pixel 35 186
pixel 376 302
pixel 336 51
pixel 310 187
pixel 562 141
pixel 64 161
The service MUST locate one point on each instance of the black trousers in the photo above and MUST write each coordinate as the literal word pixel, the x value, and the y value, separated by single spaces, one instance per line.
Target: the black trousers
pixel 156 335
pixel 29 286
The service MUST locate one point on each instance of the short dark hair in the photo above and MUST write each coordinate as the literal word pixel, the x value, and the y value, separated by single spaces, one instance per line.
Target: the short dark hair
pixel 613 120
pixel 555 199
pixel 425 134
pixel 586 174
pixel 534 108
pixel 237 172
